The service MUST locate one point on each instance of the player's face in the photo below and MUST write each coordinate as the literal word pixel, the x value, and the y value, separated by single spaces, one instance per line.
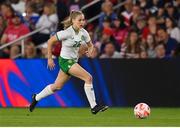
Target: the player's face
pixel 79 21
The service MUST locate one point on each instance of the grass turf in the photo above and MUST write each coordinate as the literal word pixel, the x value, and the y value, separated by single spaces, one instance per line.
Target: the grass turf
pixel 82 117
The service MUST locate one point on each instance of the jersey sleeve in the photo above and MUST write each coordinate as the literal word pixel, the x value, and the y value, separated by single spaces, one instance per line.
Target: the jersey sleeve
pixel 62 35
pixel 86 36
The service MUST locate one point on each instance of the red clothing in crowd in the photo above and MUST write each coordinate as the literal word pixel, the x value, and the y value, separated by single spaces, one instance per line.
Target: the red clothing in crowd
pixel 9 20
pixel 14 32
pixel 148 30
pixel 120 35
pixel 127 18
pixel 145 32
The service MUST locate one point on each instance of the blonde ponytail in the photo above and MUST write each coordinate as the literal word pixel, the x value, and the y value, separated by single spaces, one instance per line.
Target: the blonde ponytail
pixel 68 22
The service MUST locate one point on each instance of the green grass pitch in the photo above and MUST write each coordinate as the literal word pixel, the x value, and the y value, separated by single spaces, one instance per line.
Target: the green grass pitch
pixel 82 117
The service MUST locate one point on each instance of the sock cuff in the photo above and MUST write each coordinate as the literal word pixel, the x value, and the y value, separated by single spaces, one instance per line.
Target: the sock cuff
pixel 49 89
pixel 88 85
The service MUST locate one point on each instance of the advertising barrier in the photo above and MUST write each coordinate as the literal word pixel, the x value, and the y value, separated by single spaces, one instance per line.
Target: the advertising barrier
pixel 117 83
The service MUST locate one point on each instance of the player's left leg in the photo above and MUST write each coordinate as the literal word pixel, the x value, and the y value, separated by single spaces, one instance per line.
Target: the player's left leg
pixel 77 71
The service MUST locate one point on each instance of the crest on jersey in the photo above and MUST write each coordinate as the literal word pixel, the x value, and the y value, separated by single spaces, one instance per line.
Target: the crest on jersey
pixel 82 38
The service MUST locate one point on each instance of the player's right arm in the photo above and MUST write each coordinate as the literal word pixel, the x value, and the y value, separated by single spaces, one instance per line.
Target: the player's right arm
pixel 59 36
pixel 51 42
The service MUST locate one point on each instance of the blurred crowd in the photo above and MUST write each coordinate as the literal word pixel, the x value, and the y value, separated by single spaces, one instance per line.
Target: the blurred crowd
pixel 137 29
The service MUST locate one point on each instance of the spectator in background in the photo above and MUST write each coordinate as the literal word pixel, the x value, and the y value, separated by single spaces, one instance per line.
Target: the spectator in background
pixel 110 51
pixel 127 13
pixel 3 26
pixel 171 11
pixel 144 6
pixel 151 42
pixel 178 10
pixel 114 2
pixel 76 4
pixel 154 6
pixel 106 24
pixel 43 49
pixel 120 31
pixel 106 38
pixel 5 52
pixel 160 51
pixel 131 48
pixel 140 25
pixel 92 36
pixel 14 31
pixel 39 5
pixel 49 20
pixel 8 13
pixel 31 17
pixel 14 51
pixel 159 14
pixel 172 29
pixel 178 5
pixel 30 51
pixel 151 28
pixel 170 43
pixel 161 17
pixel 136 13
pixel 18 5
pixel 107 11
pixel 56 49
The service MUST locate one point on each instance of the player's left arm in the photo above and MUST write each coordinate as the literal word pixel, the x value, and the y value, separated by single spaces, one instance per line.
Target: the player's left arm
pixel 89 43
pixel 90 48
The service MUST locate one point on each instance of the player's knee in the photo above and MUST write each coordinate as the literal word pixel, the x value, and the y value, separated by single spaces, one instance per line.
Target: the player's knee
pixel 56 87
pixel 88 79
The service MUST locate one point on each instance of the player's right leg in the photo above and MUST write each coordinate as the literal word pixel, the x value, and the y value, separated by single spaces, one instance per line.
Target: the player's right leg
pixel 61 79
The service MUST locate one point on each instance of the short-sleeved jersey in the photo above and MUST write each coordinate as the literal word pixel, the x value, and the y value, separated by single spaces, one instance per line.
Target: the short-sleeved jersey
pixel 71 42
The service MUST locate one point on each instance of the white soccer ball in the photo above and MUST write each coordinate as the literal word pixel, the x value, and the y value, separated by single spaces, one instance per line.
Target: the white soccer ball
pixel 141 111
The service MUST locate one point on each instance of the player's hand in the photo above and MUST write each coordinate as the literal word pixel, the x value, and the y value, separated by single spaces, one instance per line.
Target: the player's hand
pixel 51 64
pixel 89 52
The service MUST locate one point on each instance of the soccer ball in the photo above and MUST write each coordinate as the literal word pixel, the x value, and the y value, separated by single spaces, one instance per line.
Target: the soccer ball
pixel 141 111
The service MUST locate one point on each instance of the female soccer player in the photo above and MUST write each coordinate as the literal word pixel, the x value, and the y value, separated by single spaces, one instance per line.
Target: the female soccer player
pixel 72 37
